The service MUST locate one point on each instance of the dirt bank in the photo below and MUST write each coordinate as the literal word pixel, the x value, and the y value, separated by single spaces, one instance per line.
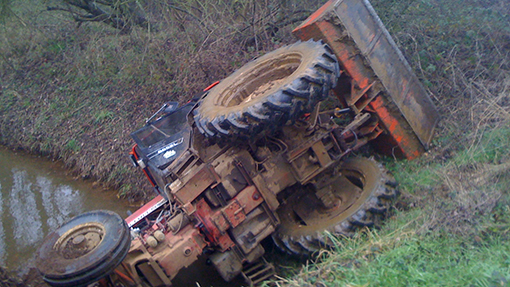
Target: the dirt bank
pixel 31 279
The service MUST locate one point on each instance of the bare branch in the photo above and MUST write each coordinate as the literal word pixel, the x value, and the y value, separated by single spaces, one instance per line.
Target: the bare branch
pixel 117 14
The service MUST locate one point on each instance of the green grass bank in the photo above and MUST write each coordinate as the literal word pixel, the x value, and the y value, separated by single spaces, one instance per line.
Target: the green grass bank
pixel 75 92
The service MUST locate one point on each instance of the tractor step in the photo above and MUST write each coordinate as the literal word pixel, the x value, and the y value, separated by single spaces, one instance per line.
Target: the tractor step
pixel 257 272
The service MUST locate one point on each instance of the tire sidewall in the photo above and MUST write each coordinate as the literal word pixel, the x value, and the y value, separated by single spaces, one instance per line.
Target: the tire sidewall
pixel 53 265
pixel 210 106
pixel 372 182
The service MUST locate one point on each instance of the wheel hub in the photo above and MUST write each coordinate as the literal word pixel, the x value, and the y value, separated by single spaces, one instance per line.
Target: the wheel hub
pixel 80 240
pixel 262 79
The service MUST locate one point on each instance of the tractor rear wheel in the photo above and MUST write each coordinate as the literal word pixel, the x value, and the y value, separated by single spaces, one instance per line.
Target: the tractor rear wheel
pixel 362 195
pixel 268 93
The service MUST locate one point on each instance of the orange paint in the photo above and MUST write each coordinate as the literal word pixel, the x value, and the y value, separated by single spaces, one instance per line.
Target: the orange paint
pixel 315 15
pixel 145 171
pixel 213 234
pixel 211 86
pixel 398 140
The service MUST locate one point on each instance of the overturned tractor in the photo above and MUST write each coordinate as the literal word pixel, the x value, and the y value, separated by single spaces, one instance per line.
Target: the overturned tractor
pixel 255 156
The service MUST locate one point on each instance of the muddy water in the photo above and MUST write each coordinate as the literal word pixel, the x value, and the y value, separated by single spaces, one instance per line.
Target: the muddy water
pixel 36 197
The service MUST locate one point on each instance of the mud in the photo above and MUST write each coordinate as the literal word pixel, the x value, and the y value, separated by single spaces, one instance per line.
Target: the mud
pixel 32 278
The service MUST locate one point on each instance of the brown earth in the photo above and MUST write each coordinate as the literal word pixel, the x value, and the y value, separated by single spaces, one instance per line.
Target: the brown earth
pixel 31 279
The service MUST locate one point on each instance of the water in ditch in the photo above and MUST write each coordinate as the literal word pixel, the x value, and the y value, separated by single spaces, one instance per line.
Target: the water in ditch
pixel 36 197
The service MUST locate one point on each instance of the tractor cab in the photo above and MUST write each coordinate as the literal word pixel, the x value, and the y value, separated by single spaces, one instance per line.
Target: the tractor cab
pixel 161 141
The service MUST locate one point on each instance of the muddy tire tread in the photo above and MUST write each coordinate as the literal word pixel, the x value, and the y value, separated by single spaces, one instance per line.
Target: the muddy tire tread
pixel 370 215
pixel 280 108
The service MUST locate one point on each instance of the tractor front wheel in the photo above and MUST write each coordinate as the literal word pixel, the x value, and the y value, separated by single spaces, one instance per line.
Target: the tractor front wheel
pixel 83 250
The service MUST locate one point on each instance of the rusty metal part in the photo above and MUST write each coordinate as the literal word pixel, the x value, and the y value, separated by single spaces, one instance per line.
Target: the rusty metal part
pixel 313 155
pixel 214 229
pixel 159 264
pixel 217 222
pixel 258 272
pixel 177 222
pixel 386 85
pixel 257 226
pixel 278 177
pixel 358 133
pixel 195 185
pixel 359 120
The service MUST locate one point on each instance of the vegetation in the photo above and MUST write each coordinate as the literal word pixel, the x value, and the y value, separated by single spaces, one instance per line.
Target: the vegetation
pixel 75 92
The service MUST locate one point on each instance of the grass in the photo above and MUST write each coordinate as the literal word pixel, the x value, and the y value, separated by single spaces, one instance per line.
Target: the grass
pixel 72 146
pixel 396 260
pixel 490 147
pixel 103 115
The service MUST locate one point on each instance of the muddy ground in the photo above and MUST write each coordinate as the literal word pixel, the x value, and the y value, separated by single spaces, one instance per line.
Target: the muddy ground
pixel 32 279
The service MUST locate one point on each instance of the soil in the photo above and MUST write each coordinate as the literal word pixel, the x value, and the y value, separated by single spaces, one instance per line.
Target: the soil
pixel 32 278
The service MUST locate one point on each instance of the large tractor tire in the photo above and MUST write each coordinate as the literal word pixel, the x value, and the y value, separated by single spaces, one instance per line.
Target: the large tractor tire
pixel 84 249
pixel 268 93
pixel 364 195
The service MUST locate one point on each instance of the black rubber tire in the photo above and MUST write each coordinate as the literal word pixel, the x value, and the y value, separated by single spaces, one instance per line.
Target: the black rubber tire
pixel 58 269
pixel 269 92
pixel 379 189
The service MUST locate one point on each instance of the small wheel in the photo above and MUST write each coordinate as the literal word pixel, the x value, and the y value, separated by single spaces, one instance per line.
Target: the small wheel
pixel 269 92
pixel 359 198
pixel 83 250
